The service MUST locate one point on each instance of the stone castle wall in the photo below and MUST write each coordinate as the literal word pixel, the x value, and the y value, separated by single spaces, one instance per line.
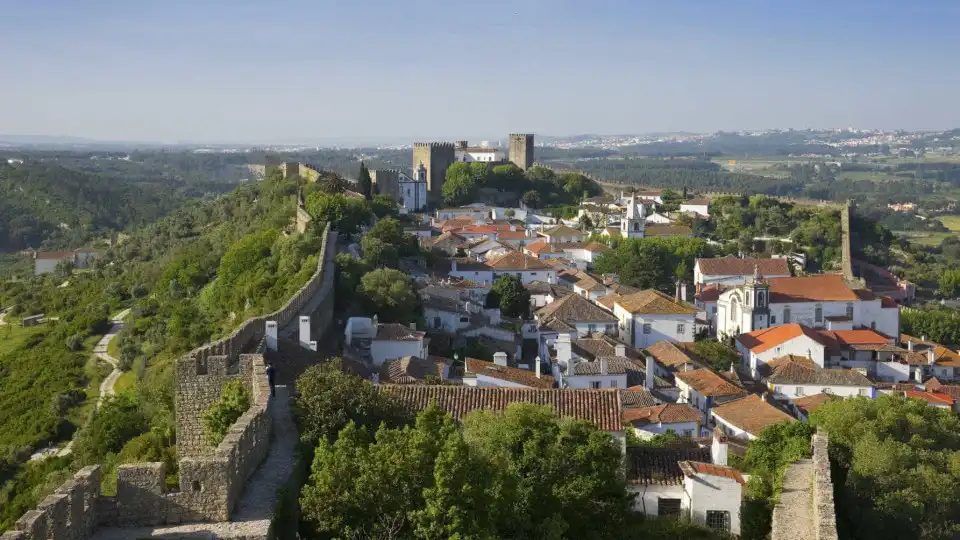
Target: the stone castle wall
pixel 520 151
pixel 806 507
pixel 436 158
pixel 211 480
pixel 824 509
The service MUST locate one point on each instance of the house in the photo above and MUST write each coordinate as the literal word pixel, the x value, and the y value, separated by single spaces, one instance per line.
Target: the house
pixel 658 419
pixel 598 407
pixel 498 373
pixel 746 417
pixel 562 234
pixel 797 376
pixel 658 218
pixel 663 230
pixel 730 271
pixel 45 262
pixel 527 268
pixel 931 359
pixel 687 482
pixel 518 238
pixel 486 248
pixel 543 293
pixel 934 399
pixel 542 249
pixel 705 301
pixel 394 340
pixel 802 407
pixel 587 253
pixel 704 389
pixel 474 213
pixel 820 301
pixel 413 370
pixel 701 207
pixel 467 268
pixel 649 316
pixel 448 242
pixel 672 357
pixel 579 313
pixel 826 348
pixel 636 397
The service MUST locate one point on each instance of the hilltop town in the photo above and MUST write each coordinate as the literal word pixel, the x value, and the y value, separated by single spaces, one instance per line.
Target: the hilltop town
pixel 706 370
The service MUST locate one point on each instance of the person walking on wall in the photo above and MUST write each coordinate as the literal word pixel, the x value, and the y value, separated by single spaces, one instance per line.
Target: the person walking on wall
pixel 270 379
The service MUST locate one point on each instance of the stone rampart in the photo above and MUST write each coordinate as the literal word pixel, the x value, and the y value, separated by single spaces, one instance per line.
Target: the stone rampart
pixel 70 513
pixel 824 509
pixel 806 508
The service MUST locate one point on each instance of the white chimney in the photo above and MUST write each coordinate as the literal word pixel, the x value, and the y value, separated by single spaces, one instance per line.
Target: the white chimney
pixel 413 325
pixel 537 361
pixel 564 348
pixel 271 333
pixel 500 358
pixel 305 331
pixel 923 338
pixel 603 365
pixel 683 291
pixel 910 345
pixel 931 357
pixel 453 266
pixel 676 295
pixel 719 448
pixel 620 350
pixel 651 368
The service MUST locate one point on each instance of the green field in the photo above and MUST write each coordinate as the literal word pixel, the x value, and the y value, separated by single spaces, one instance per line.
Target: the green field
pixel 12 336
pixel 950 222
pixel 924 238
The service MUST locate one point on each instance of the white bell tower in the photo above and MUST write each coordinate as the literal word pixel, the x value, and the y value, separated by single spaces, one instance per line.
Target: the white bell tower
pixel 633 222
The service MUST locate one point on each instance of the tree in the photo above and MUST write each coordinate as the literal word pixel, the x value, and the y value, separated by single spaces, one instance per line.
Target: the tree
pixel 718 354
pixel 389 231
pixel 233 402
pixel 377 253
pixel 391 295
pixel 364 183
pixel 586 224
pixel 383 205
pixel 345 214
pixel 651 262
pixel 458 186
pixel 507 177
pixel 513 297
pixel 671 200
pixel 939 325
pixel 531 199
pixel 350 270
pixel 539 173
pixel 329 399
pixel 949 283
pixel 116 422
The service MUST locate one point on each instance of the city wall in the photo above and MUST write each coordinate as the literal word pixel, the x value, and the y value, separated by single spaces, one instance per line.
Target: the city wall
pixel 810 512
pixel 211 480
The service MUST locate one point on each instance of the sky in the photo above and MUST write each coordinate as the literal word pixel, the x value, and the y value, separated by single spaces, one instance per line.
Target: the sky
pixel 238 71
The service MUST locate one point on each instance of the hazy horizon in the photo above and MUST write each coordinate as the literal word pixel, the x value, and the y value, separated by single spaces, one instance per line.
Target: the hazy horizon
pixel 305 72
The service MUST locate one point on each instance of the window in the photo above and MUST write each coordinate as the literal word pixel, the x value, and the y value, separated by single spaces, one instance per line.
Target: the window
pixel 437 323
pixel 873 325
pixel 718 520
pixel 773 320
pixel 680 328
pixel 613 383
pixel 594 384
pixel 863 392
pixel 849 311
pixel 786 315
pixel 464 319
pixel 761 299
pixel 636 227
pixel 827 391
pixel 798 391
pixel 818 313
pixel 591 328
pixel 646 328
pixel 668 507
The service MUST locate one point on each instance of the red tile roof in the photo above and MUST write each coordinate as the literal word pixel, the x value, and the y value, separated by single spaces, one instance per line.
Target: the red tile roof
pixel 509 374
pixel 759 341
pixel 930 397
pixel 707 383
pixel 819 288
pixel 666 414
pixel 511 235
pixel 808 404
pixel 751 414
pixel 712 470
pixel 654 302
pixel 517 261
pixel 732 266
pixel 599 407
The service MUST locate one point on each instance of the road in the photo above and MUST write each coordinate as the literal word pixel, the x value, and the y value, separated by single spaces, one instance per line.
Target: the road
pixel 100 350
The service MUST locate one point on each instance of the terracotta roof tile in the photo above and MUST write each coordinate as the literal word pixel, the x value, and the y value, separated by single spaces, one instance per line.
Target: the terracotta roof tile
pixel 819 288
pixel 608 300
pixel 654 302
pixel 599 407
pixel 597 247
pixel 710 293
pixel 562 230
pixel 930 397
pixel 768 338
pixel 732 266
pixel 397 332
pixel 795 373
pixel 600 344
pixel 708 383
pixel 672 355
pixel 665 229
pixel 636 396
pixel 410 370
pixel 666 414
pixel 751 414
pixel 661 466
pixel 512 235
pixel 808 404
pixel 574 308
pixel 693 468
pixel 517 261
pixel 509 374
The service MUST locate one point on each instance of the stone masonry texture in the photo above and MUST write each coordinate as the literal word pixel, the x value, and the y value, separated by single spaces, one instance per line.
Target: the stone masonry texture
pixel 806 508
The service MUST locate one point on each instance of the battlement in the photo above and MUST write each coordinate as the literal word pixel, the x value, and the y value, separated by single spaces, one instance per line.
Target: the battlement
pixel 521 135
pixel 806 509
pixel 433 145
pixel 69 513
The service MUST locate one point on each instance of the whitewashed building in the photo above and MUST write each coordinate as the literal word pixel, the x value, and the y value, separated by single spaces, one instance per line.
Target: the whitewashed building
pixel 731 271
pixel 649 316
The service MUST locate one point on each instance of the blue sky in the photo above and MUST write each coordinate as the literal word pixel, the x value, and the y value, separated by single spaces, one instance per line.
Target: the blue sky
pixel 242 71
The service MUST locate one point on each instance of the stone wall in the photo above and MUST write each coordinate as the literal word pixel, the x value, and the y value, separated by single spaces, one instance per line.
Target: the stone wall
pixel 70 513
pixel 436 158
pixel 520 151
pixel 824 510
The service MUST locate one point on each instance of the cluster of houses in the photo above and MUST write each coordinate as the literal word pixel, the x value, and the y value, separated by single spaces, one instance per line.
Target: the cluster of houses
pixel 626 360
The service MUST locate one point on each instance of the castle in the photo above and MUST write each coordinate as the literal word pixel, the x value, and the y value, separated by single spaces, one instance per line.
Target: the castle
pixel 437 157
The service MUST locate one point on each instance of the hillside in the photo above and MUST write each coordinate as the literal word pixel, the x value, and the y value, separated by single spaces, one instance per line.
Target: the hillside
pixel 51 206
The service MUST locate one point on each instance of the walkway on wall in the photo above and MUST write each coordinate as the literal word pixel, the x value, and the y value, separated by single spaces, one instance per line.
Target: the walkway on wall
pixel 254 512
pixel 292 328
pixel 794 511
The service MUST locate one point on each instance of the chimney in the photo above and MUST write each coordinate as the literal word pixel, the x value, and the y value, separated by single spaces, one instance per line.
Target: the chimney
pixel 413 326
pixel 305 331
pixel 651 369
pixel 564 348
pixel 271 333
pixel 699 288
pixel 719 448
pixel 910 345
pixel 676 296
pixel 537 362
pixel 620 350
pixel 500 359
pixel 603 365
pixel 453 265
pixel 683 291
pixel 923 338
pixel 931 357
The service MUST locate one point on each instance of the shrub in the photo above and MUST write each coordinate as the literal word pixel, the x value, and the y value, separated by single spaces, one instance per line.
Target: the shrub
pixel 234 401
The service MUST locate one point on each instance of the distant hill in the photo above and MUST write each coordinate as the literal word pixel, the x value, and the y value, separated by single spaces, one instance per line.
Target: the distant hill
pixel 54 207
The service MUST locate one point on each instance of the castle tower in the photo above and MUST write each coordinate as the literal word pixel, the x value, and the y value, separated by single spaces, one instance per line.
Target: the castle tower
pixel 521 150
pixel 303 217
pixel 436 157
pixel 757 292
pixel 634 221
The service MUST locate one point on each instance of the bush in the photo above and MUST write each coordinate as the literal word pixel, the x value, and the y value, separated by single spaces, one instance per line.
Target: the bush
pixel 234 401
pixel 117 421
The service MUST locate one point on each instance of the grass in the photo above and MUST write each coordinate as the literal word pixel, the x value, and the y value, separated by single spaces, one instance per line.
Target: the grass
pixel 12 336
pixel 950 222
pixel 930 239
pixel 126 381
pixel 113 348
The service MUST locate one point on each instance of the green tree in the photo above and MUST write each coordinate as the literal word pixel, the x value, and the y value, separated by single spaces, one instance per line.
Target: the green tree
pixel 329 399
pixel 949 283
pixel 538 173
pixel 458 186
pixel 531 199
pixel 391 295
pixel 507 177
pixel 345 214
pixel 233 402
pixel 671 200
pixel 350 270
pixel 383 205
pixel 364 183
pixel 939 325
pixel 718 354
pixel 377 253
pixel 389 231
pixel 512 297
pixel 116 422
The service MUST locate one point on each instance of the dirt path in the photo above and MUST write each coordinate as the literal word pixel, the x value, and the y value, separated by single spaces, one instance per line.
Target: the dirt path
pixel 100 349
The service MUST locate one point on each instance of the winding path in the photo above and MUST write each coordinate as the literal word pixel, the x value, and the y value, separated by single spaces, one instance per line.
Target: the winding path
pixel 100 350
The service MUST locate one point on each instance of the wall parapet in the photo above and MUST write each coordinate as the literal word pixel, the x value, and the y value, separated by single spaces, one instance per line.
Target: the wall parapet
pixel 69 513
pixel 824 508
pixel 806 508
